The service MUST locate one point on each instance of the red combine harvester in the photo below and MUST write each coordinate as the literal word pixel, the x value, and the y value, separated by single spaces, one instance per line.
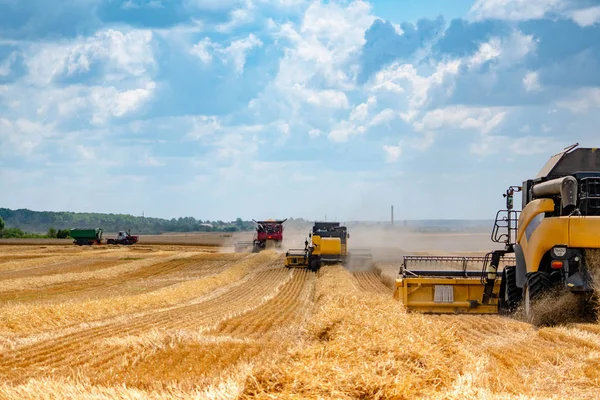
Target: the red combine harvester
pixel 268 234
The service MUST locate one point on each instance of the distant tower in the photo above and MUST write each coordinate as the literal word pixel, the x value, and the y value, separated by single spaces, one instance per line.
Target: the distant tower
pixel 392 215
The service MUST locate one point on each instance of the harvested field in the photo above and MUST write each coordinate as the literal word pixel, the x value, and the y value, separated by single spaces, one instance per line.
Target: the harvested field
pixel 176 321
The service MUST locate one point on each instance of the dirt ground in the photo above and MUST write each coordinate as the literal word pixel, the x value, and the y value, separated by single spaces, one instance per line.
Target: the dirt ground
pixel 178 317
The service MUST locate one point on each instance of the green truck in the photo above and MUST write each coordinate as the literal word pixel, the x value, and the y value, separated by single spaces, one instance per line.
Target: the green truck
pixel 86 236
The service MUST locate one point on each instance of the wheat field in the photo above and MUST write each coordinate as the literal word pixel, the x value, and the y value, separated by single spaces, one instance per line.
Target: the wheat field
pixel 193 322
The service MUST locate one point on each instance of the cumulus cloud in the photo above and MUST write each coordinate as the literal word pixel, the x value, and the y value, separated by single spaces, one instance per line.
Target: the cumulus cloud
pixel 516 10
pixel 23 137
pixel 587 16
pixel 530 82
pixel 236 52
pixel 386 42
pixel 117 54
pixel 392 152
pixel 483 120
pixel 581 101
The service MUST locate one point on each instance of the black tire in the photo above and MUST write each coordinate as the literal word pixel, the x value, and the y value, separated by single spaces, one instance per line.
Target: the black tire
pixel 510 294
pixel 314 265
pixel 537 283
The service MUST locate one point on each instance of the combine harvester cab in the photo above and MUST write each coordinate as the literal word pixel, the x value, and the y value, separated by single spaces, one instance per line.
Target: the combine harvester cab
pixel 553 243
pixel 329 245
pixel 268 235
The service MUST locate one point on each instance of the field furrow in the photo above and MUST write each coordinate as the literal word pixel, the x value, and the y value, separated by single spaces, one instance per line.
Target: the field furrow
pixel 174 321
pixel 83 347
pixel 142 279
pixel 370 281
pixel 279 312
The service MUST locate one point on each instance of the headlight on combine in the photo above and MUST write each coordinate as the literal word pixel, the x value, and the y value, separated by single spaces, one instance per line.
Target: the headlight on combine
pixel 559 252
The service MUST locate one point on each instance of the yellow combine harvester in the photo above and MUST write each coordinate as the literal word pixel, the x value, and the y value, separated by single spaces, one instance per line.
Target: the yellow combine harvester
pixel 553 241
pixel 329 245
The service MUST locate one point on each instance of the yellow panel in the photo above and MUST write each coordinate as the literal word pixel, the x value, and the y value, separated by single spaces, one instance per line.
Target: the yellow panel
pixel 418 294
pixel 316 242
pixel 576 232
pixel 551 232
pixel 530 211
pixel 584 232
pixel 330 246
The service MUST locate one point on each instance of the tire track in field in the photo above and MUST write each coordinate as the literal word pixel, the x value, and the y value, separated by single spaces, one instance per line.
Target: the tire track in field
pixel 253 334
pixel 369 281
pixel 276 313
pixel 86 348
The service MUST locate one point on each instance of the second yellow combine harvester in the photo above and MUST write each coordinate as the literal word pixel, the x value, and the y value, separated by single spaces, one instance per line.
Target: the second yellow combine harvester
pixel 329 245
pixel 553 242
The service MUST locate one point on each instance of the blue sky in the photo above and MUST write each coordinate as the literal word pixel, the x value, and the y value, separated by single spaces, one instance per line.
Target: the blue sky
pixel 292 108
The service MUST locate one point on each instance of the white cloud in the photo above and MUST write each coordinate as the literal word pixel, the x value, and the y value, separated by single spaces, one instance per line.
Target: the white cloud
pixel 6 65
pixel 318 69
pixel 488 145
pixel 506 51
pixel 236 52
pixel 392 152
pixel 341 131
pixel 314 133
pixel 587 17
pixel 202 50
pixel 329 38
pixel 529 145
pixel 531 82
pixel 581 100
pixel 122 54
pixel 86 153
pixel 327 98
pixel 98 103
pixel 361 111
pixel 516 10
pixel 203 126
pixel 384 116
pixel 22 137
pixel 129 100
pixel 422 142
pixel 404 78
pixel 237 18
pixel 487 51
pixel 481 119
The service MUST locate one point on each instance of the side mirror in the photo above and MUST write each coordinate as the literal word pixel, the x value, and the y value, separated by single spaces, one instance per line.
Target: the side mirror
pixel 348 236
pixel 310 235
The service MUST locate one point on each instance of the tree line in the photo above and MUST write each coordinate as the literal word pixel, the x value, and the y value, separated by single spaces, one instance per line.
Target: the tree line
pixel 57 224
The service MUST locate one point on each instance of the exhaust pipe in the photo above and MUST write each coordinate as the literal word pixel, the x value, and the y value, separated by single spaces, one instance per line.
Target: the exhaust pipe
pixel 566 187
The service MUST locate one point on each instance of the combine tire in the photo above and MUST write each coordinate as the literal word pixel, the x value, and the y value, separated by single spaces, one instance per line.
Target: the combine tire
pixel 537 283
pixel 314 265
pixel 510 294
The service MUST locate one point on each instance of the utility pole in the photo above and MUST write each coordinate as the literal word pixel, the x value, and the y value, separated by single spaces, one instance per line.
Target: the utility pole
pixel 392 215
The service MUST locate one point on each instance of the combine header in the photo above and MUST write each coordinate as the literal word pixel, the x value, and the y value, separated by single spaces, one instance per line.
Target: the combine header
pixel 268 234
pixel 553 242
pixel 329 245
